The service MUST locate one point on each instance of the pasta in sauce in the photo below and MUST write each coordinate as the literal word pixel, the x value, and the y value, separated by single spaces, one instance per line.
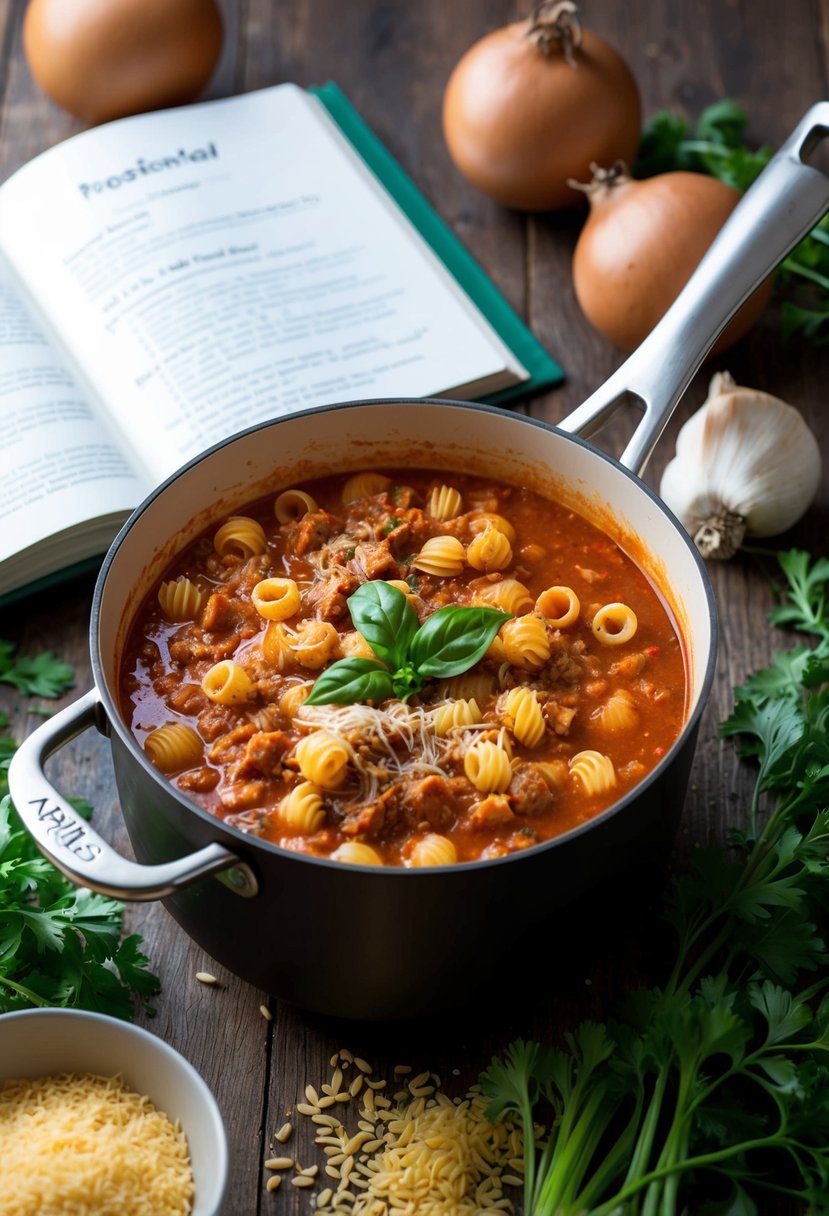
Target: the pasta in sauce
pixel 578 697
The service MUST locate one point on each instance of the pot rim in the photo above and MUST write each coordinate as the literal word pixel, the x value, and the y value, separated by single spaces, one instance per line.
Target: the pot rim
pixel 248 841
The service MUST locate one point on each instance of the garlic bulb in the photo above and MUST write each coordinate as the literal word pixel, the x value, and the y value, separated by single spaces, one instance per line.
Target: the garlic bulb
pixel 746 464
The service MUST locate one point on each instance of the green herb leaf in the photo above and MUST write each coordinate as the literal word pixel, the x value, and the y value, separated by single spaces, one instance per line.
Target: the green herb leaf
pixel 43 675
pixel 351 680
pixel 452 639
pixel 386 620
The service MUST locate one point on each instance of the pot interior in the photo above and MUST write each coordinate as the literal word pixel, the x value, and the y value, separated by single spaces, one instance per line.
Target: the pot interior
pixel 427 434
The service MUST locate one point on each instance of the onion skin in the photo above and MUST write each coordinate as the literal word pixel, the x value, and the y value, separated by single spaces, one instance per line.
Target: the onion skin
pixel 518 122
pixel 639 246
pixel 104 59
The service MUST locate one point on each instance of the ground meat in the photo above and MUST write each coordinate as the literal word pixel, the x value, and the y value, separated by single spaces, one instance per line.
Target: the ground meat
pixel 557 716
pixel 199 780
pixel 431 800
pixel 367 820
pixel 374 559
pixel 312 531
pixel 328 597
pixel 227 743
pixel 529 793
pixel 218 614
pixel 186 650
pixel 243 794
pixel 493 811
pixel 185 698
pixel 215 720
pixel 263 754
pixel 411 532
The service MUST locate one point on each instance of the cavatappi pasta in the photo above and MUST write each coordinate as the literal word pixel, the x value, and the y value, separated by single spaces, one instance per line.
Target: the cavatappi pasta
pixel 578 697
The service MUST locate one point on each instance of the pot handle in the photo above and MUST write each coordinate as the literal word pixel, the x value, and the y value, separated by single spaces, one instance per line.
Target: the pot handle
pixel 777 211
pixel 77 850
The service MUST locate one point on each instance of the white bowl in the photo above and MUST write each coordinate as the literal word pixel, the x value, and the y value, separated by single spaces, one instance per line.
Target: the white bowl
pixel 40 1042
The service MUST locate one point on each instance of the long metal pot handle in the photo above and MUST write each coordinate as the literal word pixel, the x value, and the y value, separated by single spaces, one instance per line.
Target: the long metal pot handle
pixel 75 847
pixel 783 204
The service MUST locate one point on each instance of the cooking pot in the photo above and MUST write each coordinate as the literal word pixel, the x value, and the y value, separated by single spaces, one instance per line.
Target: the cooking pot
pixel 385 942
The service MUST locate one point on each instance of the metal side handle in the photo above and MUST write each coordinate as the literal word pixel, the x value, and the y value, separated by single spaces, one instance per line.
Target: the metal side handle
pixel 77 850
pixel 777 211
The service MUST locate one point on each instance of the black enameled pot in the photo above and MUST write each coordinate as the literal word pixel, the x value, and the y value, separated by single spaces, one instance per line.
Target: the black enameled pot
pixel 385 942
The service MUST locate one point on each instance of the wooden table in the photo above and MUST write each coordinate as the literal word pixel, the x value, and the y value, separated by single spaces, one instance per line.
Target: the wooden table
pixel 392 59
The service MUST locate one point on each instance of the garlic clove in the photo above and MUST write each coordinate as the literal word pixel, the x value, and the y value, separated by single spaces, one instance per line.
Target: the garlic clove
pixel 746 464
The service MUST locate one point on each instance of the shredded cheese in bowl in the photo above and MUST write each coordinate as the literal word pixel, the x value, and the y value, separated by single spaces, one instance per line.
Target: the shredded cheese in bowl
pixel 87 1145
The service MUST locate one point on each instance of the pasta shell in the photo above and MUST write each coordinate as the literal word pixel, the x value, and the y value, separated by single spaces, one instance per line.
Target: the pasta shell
pixel 489 519
pixel 323 759
pixel 455 714
pixel 293 699
pixel 614 624
pixel 526 643
pixel 469 686
pixel 227 683
pixel 559 606
pixel 488 767
pixel 443 556
pixel 364 485
pixel 315 644
pixel 355 853
pixel 240 535
pixel 433 850
pixel 180 599
pixel 489 550
pixel 303 808
pixel 507 594
pixel 594 772
pixel 619 712
pixel 173 747
pixel 522 714
pixel 276 599
pixel 291 505
pixel 444 502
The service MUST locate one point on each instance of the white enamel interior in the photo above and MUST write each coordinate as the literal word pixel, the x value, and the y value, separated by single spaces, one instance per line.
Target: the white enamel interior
pixel 435 435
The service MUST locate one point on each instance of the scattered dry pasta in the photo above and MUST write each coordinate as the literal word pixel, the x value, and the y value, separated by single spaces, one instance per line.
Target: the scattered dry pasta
pixel 173 747
pixel 428 1154
pixel 240 535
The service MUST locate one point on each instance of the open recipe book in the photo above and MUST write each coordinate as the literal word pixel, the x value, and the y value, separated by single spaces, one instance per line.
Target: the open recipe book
pixel 168 279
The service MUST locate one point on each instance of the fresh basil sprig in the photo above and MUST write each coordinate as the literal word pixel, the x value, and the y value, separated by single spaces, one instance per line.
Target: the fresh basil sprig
pixel 446 644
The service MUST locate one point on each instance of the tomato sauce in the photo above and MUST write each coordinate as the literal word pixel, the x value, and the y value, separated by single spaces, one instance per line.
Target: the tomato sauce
pixel 567 716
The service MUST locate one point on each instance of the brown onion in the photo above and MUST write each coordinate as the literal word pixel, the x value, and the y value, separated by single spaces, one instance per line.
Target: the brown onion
pixel 639 246
pixel 103 59
pixel 534 103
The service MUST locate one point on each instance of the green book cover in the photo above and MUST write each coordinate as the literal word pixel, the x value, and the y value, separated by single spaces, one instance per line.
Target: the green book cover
pixel 544 371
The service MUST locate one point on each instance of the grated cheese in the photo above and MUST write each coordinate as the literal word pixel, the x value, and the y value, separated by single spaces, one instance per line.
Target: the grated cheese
pixel 75 1144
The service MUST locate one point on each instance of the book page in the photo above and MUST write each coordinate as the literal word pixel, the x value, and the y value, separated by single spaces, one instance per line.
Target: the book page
pixel 60 465
pixel 217 265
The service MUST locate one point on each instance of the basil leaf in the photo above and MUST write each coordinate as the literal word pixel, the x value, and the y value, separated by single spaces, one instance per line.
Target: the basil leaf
pixel 386 620
pixel 406 682
pixel 352 680
pixel 452 639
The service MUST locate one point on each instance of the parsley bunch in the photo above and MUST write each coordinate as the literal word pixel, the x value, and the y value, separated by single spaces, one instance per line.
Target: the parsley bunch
pixel 713 1089
pixel 59 945
pixel 717 146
